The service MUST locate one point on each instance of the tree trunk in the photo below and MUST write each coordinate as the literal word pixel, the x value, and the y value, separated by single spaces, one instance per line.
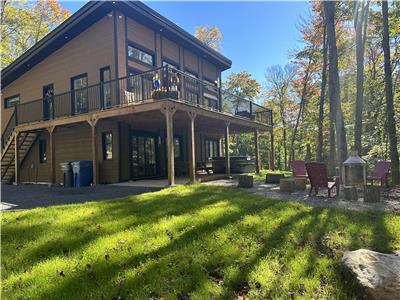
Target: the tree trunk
pixel 301 109
pixel 394 155
pixel 360 28
pixel 334 85
pixel 322 99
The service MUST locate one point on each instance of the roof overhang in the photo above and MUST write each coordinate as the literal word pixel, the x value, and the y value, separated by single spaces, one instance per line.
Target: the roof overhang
pixel 92 12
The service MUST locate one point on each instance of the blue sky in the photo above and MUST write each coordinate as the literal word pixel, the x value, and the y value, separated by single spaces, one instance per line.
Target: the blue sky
pixel 256 35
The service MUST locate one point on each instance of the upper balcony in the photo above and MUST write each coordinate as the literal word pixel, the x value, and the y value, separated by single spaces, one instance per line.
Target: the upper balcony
pixel 154 85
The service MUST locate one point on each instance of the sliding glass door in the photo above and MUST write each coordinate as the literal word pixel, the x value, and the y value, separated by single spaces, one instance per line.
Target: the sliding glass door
pixel 144 152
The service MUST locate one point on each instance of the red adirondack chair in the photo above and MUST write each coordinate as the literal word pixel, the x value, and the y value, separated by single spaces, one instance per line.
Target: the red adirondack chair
pixel 317 173
pixel 299 168
pixel 381 172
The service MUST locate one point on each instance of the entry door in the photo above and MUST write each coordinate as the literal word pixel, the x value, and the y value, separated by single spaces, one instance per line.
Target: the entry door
pixel 48 97
pixel 144 156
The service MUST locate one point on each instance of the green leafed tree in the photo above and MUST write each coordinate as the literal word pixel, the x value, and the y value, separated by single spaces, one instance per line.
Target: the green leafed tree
pixel 209 35
pixel 24 23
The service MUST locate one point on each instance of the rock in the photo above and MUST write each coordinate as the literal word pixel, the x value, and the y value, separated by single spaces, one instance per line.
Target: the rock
pixel 273 177
pixel 350 193
pixel 245 181
pixel 300 183
pixel 377 274
pixel 372 193
pixel 287 185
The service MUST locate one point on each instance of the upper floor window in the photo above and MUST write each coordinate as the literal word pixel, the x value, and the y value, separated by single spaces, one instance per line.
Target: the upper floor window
pixel 171 65
pixel 11 101
pixel 140 55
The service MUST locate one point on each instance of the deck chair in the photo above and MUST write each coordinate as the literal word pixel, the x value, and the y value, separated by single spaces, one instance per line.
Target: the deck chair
pixel 317 173
pixel 299 168
pixel 380 172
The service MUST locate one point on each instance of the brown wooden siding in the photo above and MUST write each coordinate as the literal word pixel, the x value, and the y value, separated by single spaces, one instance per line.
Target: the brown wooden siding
pixel 191 61
pixel 140 34
pixel 170 50
pixel 87 53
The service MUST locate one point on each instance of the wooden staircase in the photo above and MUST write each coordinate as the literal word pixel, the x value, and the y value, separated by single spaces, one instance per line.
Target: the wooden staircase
pixel 25 142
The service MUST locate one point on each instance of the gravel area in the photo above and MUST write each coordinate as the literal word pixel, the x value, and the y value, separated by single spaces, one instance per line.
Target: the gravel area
pixel 35 195
pixel 391 204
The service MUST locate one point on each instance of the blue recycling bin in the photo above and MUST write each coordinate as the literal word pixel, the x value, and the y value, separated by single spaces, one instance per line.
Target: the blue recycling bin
pixel 82 172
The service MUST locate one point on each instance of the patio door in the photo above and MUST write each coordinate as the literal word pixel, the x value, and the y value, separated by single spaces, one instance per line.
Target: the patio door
pixel 144 156
pixel 48 97
pixel 80 101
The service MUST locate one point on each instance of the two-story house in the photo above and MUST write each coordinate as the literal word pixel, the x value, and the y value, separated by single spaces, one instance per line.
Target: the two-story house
pixel 122 86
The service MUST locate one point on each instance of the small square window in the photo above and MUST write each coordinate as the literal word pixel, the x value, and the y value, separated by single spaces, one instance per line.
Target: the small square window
pixel 107 146
pixel 42 151
pixel 11 101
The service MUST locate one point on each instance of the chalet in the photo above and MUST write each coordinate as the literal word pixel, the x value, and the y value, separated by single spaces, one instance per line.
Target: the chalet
pixel 122 86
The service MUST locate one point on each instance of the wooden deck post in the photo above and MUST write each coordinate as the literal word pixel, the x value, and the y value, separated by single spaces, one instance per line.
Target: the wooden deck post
pixel 93 124
pixel 192 154
pixel 257 150
pixel 227 154
pixel 52 154
pixel 169 111
pixel 272 152
pixel 16 157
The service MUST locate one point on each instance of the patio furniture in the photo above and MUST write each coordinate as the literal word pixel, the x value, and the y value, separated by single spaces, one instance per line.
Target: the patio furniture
pixel 381 172
pixel 245 181
pixel 205 166
pixel 299 168
pixel 317 173
pixel 287 185
pixel 273 177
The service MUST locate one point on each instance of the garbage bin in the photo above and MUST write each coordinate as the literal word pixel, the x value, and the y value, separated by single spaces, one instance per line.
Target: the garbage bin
pixel 67 174
pixel 83 172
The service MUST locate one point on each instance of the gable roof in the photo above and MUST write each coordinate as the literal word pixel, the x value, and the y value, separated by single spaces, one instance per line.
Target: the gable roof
pixel 92 12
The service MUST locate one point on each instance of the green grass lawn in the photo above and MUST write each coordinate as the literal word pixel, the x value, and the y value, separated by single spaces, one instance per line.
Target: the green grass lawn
pixel 193 242
pixel 261 175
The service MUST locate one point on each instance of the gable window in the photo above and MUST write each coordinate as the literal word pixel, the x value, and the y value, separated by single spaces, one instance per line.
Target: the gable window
pixel 11 101
pixel 42 151
pixel 140 55
pixel 212 148
pixel 107 142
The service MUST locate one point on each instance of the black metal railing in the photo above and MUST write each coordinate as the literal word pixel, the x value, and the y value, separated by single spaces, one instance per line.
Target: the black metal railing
pixel 161 83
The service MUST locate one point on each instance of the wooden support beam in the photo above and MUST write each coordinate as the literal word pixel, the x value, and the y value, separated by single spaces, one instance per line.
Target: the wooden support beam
pixel 227 154
pixel 272 152
pixel 16 157
pixel 192 154
pixel 169 112
pixel 93 124
pixel 257 150
pixel 52 154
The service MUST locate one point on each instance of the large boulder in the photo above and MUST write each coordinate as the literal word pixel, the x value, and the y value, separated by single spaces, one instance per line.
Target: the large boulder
pixel 377 274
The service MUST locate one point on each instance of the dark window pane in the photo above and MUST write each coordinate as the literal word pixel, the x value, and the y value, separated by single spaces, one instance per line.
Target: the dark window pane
pixel 140 55
pixel 177 148
pixel 42 151
pixel 107 146
pixel 11 101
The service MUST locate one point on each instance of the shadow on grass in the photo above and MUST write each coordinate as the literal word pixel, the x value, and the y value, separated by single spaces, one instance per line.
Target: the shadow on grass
pixel 190 263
